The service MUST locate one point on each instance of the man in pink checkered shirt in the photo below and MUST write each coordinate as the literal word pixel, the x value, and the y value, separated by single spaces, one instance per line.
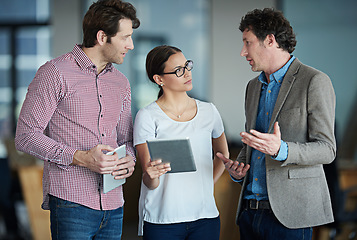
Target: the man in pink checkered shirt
pixel 77 108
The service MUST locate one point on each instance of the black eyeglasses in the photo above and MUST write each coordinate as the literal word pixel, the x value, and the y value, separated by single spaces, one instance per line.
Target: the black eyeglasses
pixel 181 70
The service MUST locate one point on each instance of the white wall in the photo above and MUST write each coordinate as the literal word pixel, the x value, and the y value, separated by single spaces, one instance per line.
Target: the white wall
pixel 230 71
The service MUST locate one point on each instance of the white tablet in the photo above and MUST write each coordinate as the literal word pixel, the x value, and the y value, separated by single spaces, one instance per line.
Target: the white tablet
pixel 109 183
pixel 177 152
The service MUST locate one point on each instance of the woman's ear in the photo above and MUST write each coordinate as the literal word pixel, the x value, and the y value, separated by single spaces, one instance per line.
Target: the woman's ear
pixel 158 80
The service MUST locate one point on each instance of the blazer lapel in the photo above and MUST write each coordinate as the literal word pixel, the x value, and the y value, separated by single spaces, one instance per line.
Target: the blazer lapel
pixel 284 91
pixel 251 108
pixel 252 103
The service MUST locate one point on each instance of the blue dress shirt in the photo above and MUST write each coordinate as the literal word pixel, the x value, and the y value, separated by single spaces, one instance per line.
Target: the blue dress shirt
pixel 256 187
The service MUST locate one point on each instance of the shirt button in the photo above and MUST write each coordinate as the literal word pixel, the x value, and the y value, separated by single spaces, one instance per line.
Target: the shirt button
pixel 267 113
pixel 100 95
pixel 258 157
pixel 257 194
pixel 103 134
pixel 256 179
pixel 101 115
pixel 269 91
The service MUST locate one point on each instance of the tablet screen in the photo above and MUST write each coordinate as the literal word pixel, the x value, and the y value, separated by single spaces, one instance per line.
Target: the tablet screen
pixel 177 152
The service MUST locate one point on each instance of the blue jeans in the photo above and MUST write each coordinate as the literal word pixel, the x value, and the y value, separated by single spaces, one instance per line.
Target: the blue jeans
pixel 72 221
pixel 207 228
pixel 262 224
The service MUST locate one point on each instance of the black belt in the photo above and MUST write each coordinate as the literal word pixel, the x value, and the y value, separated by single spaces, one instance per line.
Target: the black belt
pixel 255 204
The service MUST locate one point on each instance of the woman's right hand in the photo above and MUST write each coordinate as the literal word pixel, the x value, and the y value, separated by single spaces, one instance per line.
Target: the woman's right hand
pixel 155 169
pixel 152 170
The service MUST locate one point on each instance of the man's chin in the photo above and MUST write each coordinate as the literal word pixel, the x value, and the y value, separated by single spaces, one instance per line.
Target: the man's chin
pixel 119 61
pixel 255 69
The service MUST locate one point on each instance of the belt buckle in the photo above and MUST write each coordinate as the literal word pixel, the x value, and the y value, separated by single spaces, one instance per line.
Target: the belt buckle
pixel 254 204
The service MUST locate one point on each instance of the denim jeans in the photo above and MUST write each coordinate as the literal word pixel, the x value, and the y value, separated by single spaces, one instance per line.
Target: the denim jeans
pixel 72 221
pixel 207 229
pixel 262 224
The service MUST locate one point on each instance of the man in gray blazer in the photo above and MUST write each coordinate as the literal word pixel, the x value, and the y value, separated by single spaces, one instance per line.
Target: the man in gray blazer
pixel 290 114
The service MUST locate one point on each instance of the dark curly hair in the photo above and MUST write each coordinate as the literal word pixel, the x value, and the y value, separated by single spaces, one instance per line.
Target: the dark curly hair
pixel 105 15
pixel 270 21
pixel 156 60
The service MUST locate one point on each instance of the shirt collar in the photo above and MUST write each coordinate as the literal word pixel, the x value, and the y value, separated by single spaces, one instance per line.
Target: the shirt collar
pixel 84 61
pixel 277 76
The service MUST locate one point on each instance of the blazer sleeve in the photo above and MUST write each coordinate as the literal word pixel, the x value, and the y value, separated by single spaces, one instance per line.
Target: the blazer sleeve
pixel 313 143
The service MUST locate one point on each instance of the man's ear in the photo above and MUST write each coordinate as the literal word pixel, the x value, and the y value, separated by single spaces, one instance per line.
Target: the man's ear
pixel 101 37
pixel 270 40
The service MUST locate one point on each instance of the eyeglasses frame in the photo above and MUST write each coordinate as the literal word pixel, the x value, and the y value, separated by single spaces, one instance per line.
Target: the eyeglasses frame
pixel 184 69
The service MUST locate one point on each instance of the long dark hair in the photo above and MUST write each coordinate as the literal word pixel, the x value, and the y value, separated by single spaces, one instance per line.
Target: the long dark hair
pixel 156 59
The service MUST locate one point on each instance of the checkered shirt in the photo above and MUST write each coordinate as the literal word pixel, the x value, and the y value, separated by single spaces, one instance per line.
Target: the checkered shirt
pixel 70 107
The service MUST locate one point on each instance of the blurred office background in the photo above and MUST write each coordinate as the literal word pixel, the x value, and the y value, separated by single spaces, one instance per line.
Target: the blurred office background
pixel 34 31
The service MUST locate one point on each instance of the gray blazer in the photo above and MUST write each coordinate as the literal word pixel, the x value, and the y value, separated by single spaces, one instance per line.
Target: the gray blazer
pixel 305 110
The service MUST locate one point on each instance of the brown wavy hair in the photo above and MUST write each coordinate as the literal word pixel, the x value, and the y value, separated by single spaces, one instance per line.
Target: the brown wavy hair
pixel 105 15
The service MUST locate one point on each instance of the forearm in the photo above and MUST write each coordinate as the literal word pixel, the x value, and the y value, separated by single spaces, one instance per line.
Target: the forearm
pixel 149 182
pixel 152 181
pixel 219 145
pixel 218 169
pixel 42 147
pixel 78 158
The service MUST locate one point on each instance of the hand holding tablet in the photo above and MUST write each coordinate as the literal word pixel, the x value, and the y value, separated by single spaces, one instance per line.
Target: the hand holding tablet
pixel 109 183
pixel 177 152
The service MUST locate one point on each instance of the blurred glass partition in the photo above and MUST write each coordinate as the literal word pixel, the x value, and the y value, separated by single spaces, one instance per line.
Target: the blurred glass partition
pixel 25 37
pixel 143 90
pixel 185 24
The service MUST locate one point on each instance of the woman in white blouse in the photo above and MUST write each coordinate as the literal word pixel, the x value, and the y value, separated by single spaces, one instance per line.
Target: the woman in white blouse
pixel 178 205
